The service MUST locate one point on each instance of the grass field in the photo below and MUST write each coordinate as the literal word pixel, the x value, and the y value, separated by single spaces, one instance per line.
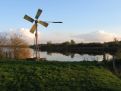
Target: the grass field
pixel 56 76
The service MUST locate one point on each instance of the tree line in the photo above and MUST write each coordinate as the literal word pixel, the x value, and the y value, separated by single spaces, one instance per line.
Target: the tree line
pixel 73 47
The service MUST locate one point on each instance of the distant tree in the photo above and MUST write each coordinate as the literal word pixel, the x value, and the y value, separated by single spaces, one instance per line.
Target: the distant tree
pixel 72 42
pixel 49 43
pixel 66 43
pixel 116 41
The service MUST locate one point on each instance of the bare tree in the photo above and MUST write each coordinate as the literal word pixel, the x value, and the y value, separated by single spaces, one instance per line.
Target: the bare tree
pixel 13 46
pixel 19 47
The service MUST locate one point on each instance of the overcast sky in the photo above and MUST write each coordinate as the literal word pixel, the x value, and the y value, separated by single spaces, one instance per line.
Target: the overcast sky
pixel 83 20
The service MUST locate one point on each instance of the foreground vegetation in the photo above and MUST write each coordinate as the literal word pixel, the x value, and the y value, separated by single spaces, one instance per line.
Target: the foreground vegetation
pixel 56 76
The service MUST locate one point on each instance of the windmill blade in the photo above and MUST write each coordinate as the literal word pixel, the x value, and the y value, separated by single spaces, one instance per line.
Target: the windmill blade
pixel 34 27
pixel 28 18
pixel 43 23
pixel 57 22
pixel 38 13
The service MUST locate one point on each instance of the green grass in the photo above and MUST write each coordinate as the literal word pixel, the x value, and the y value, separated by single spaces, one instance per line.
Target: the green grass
pixel 56 76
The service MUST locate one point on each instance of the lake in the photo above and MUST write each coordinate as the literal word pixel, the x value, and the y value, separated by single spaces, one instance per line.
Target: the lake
pixel 71 57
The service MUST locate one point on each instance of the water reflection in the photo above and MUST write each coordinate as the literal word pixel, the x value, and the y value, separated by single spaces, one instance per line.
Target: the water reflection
pixel 72 57
pixel 15 52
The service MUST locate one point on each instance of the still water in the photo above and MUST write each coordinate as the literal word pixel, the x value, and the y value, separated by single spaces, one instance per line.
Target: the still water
pixel 73 57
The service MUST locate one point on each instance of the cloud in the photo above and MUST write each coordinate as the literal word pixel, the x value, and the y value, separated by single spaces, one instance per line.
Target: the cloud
pixel 97 36
pixel 57 37
pixel 43 37
pixel 26 35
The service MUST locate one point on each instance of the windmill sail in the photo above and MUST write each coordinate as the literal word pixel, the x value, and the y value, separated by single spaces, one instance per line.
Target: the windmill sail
pixel 38 13
pixel 43 23
pixel 28 18
pixel 34 27
pixel 57 22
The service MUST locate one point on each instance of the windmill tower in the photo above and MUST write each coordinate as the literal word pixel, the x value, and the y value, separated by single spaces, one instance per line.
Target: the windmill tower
pixel 34 28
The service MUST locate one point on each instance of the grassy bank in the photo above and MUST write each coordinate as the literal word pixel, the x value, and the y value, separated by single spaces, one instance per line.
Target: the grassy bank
pixel 56 76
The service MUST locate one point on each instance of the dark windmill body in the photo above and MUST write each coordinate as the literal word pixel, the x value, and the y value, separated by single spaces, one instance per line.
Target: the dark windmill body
pixel 34 29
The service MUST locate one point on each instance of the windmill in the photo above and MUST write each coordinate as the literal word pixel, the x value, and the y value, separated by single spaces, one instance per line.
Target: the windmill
pixel 34 28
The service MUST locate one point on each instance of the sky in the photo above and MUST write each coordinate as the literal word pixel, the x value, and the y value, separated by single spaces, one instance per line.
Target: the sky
pixel 83 20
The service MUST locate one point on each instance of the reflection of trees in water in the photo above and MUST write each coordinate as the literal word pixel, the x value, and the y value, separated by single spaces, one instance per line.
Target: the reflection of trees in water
pixel 49 53
pixel 17 53
pixel 84 56
pixel 64 53
pixel 72 55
